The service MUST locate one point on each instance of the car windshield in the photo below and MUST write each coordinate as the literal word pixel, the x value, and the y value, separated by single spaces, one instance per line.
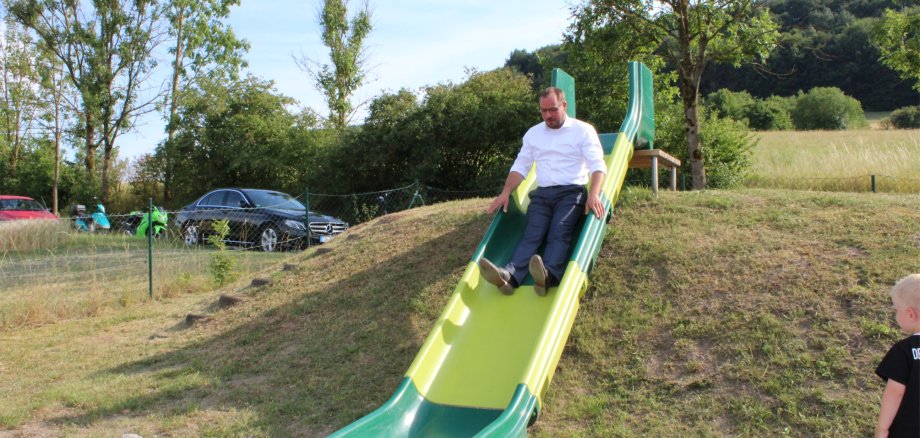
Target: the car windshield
pixel 20 204
pixel 277 200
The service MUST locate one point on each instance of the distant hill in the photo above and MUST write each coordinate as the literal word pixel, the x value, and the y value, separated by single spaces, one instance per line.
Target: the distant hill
pixel 824 43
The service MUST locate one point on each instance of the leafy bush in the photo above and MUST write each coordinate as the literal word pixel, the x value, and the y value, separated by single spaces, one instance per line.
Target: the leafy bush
pixel 827 108
pixel 727 148
pixel 770 114
pixel 731 104
pixel 727 144
pixel 905 118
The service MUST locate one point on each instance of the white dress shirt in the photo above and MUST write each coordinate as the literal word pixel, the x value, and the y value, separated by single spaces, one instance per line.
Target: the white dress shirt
pixel 567 155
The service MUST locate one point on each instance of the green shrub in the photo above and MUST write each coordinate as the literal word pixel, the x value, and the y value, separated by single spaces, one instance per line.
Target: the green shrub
pixel 727 148
pixel 770 114
pixel 727 144
pixel 827 108
pixel 905 118
pixel 731 104
pixel 222 262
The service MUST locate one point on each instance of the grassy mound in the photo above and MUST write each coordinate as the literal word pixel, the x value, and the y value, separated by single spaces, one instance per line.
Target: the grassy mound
pixel 749 313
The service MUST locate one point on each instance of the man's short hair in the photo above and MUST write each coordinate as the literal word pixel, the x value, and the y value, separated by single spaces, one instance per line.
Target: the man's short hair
pixel 560 95
pixel 907 291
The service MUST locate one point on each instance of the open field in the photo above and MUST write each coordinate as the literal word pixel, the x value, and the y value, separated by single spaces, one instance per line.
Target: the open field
pixel 838 160
pixel 717 313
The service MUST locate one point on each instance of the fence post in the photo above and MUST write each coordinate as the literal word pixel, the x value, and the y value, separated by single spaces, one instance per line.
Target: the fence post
pixel 415 196
pixel 150 247
pixel 683 182
pixel 306 221
pixel 873 183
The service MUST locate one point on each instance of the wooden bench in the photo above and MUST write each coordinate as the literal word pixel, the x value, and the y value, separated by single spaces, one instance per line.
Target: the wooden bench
pixel 651 158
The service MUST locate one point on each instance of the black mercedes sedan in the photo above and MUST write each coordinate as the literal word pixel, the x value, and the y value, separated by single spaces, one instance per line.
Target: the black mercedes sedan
pixel 265 219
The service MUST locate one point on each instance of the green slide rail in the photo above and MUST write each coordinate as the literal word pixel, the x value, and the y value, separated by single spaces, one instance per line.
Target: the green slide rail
pixel 488 360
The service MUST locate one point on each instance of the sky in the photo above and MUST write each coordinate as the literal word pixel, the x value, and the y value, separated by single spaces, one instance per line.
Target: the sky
pixel 414 43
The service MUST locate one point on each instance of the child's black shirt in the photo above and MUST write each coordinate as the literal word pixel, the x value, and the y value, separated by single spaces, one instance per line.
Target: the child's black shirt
pixel 902 364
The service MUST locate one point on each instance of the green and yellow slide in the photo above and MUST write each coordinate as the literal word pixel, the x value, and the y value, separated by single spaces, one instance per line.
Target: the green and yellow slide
pixel 489 358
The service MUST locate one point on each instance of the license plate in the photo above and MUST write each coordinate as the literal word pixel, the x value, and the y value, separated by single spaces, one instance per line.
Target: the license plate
pixel 324 239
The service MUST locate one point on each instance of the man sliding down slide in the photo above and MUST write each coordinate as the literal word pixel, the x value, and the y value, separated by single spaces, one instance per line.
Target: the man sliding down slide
pixel 566 151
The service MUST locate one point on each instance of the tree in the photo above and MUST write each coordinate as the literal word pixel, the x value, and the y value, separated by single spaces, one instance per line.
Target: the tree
pixel 690 34
pixel 537 63
pixel 105 47
pixel 461 137
pixel 236 133
pixel 897 37
pixel 598 55
pixel 20 103
pixel 54 82
pixel 345 40
pixel 201 40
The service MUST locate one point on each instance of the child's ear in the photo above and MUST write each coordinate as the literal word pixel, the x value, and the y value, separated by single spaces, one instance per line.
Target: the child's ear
pixel 913 314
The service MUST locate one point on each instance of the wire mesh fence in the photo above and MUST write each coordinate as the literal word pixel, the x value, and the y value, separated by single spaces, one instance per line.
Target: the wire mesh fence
pixel 92 259
pixel 858 183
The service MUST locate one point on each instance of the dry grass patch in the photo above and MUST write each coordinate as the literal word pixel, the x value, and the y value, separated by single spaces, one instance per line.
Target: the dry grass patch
pixel 30 235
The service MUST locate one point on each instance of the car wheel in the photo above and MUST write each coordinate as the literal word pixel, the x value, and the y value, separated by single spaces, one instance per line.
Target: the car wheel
pixel 191 235
pixel 269 239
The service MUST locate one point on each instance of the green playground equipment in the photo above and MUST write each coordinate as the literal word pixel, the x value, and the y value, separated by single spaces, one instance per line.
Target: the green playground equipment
pixel 489 358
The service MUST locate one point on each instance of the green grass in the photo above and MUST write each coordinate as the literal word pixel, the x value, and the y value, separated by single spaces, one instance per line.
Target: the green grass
pixel 837 160
pixel 742 313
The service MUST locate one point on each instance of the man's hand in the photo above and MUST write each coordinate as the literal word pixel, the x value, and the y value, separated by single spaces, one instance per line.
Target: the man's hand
pixel 500 201
pixel 594 204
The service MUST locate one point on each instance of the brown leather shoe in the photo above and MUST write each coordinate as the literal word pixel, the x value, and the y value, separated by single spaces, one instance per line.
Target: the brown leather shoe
pixel 539 274
pixel 495 275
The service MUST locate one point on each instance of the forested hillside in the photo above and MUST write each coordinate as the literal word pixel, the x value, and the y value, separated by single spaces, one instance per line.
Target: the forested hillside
pixel 824 43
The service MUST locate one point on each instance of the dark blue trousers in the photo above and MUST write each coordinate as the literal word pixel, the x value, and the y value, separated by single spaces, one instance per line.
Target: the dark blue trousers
pixel 551 217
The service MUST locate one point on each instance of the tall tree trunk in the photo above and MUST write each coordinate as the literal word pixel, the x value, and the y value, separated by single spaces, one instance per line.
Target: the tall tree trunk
pixel 9 122
pixel 14 156
pixel 58 87
pixel 90 159
pixel 690 98
pixel 173 111
pixel 688 79
pixel 106 165
pixel 12 123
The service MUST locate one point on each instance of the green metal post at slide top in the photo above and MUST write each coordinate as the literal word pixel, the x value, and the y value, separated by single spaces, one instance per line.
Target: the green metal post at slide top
pixel 873 183
pixel 306 220
pixel 150 247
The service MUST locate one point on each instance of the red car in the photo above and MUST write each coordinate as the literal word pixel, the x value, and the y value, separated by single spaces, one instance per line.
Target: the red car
pixel 21 207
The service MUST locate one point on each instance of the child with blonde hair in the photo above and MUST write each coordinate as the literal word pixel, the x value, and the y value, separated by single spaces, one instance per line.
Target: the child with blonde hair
pixel 900 412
